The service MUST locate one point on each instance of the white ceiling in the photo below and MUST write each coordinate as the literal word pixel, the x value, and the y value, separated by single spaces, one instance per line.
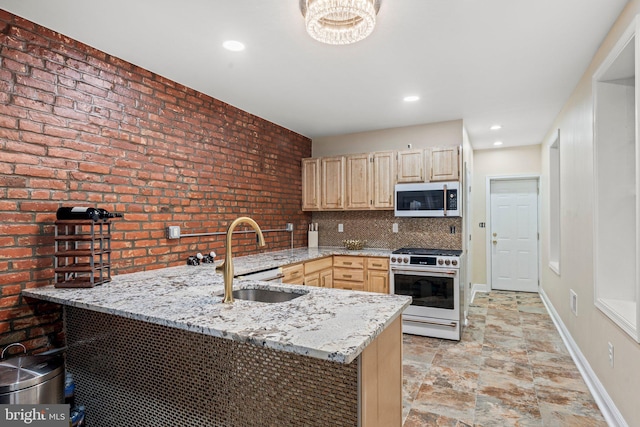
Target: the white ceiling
pixel 512 62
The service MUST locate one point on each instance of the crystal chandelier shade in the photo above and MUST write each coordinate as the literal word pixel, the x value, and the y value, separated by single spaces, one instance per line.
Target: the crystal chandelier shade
pixel 339 21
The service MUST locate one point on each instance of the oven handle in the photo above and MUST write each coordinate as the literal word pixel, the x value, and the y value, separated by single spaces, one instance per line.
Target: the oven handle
pixel 420 270
pixel 451 325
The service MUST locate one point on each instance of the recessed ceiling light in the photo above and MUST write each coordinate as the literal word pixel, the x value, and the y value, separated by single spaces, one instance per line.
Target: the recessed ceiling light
pixel 495 127
pixel 411 98
pixel 233 45
pixel 497 143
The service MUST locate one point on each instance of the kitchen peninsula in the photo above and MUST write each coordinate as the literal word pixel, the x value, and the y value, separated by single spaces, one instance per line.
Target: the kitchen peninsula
pixel 160 348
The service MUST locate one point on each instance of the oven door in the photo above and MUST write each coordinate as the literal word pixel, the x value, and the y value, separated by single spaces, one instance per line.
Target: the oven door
pixel 435 292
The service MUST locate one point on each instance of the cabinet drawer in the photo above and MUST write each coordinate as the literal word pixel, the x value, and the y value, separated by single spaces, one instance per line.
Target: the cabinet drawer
pixel 293 274
pixel 378 263
pixel 352 286
pixel 348 261
pixel 348 274
pixel 317 265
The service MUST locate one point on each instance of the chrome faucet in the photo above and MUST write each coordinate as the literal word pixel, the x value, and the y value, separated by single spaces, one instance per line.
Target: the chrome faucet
pixel 228 255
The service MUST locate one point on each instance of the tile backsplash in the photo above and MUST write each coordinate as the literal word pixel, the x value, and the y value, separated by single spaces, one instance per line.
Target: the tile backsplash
pixel 376 227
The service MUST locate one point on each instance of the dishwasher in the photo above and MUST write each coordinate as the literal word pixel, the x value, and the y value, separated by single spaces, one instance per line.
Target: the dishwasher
pixel 273 275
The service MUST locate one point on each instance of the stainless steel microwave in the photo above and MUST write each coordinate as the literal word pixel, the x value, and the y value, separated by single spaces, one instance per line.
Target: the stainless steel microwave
pixel 428 199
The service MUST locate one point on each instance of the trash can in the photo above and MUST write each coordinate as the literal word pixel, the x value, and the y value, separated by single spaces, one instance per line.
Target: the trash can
pixel 32 380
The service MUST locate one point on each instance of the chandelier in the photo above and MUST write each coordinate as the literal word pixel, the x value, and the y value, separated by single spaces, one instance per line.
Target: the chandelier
pixel 339 21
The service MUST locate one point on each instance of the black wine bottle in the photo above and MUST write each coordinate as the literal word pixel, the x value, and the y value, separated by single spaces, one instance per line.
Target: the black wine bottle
pixel 105 214
pixel 79 213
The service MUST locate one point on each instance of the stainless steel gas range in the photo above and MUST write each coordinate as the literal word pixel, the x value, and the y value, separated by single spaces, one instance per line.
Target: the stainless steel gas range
pixel 432 278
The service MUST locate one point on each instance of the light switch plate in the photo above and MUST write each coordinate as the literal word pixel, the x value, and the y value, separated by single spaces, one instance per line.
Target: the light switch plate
pixel 340 228
pixel 394 227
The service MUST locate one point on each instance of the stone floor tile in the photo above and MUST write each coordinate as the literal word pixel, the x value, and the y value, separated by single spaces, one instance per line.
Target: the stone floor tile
pixel 460 379
pixel 493 412
pixel 418 418
pixel 510 368
pixel 446 401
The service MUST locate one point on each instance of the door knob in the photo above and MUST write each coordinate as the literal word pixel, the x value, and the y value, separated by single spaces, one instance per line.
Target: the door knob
pixel 495 234
pixel 495 242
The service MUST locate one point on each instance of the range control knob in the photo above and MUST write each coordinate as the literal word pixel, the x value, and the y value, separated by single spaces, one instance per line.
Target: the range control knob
pixel 393 259
pixel 406 260
pixel 440 261
pixel 454 262
pixel 447 262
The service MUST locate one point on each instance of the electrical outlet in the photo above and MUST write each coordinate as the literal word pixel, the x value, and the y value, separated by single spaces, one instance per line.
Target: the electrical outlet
pixel 394 227
pixel 340 228
pixel 611 355
pixel 573 303
pixel 173 232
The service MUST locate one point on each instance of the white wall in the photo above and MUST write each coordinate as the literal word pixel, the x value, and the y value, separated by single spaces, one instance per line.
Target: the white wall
pixel 421 136
pixel 591 330
pixel 499 162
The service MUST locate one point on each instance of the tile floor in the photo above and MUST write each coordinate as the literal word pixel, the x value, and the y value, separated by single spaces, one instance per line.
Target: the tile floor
pixel 511 368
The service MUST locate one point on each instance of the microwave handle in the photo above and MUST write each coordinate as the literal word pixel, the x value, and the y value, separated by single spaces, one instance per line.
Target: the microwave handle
pixel 445 199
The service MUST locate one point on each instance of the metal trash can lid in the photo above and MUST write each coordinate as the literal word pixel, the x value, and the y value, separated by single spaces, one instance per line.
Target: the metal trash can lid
pixel 20 372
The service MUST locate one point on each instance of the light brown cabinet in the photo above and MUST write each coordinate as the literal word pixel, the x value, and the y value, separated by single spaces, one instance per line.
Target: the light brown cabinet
pixel 383 179
pixel 319 272
pixel 326 278
pixel 332 182
pixel 377 275
pixel 311 184
pixel 367 181
pixel 293 274
pixel 411 165
pixel 348 272
pixel 445 163
pixel 358 186
pixel 358 273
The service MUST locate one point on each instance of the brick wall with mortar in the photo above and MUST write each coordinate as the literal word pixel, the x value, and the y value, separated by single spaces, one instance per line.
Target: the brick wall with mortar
pixel 80 127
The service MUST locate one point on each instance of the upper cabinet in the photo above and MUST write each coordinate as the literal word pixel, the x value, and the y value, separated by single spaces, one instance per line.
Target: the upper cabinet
pixel 383 179
pixel 411 166
pixel 332 182
pixel 445 163
pixel 358 189
pixel 367 181
pixel 310 184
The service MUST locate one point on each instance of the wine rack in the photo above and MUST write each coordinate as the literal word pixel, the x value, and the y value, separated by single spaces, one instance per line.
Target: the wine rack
pixel 82 253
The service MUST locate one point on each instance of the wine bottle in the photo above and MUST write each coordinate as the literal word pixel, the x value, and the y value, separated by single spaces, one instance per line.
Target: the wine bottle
pixel 79 213
pixel 105 214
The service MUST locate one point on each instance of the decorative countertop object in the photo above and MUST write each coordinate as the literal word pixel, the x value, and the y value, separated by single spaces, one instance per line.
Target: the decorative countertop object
pixel 354 244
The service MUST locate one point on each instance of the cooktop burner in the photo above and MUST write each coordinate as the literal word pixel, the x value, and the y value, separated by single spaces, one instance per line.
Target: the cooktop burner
pixel 424 251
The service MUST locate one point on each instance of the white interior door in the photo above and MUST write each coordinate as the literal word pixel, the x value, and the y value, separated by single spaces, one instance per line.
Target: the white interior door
pixel 514 235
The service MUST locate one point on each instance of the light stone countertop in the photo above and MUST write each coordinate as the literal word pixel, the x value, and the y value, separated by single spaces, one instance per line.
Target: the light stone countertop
pixel 329 324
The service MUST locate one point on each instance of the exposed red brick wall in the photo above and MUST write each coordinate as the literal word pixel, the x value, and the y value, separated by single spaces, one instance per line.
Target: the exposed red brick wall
pixel 80 127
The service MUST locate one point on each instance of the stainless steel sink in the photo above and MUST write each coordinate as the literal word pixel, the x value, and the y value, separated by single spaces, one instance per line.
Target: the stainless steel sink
pixel 264 295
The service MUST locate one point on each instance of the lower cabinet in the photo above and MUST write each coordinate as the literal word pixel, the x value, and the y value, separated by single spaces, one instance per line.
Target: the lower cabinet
pixel 377 275
pixel 356 273
pixel 348 272
pixel 293 274
pixel 319 272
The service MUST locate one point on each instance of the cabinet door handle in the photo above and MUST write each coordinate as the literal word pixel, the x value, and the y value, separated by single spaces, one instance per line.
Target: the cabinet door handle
pixel 376 265
pixel 348 276
pixel 347 263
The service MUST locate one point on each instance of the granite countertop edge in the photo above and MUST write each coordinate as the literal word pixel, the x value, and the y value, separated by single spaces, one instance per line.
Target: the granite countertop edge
pixel 328 324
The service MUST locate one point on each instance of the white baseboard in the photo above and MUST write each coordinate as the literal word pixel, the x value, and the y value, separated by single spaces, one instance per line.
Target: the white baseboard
pixel 605 403
pixel 478 287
